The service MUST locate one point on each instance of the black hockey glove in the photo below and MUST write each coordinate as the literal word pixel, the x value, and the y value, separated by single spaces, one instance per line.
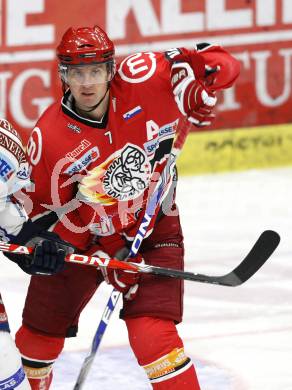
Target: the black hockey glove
pixel 49 254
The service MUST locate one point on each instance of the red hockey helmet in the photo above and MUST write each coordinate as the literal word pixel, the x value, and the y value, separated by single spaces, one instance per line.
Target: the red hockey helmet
pixel 86 46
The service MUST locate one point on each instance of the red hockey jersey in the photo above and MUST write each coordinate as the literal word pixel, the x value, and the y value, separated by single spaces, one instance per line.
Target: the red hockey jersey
pixel 96 175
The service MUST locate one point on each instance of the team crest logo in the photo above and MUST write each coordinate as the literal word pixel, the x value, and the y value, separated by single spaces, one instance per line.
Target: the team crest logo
pixel 128 175
pixel 124 176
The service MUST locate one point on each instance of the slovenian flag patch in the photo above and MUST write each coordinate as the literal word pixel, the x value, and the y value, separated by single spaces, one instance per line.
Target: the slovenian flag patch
pixel 130 114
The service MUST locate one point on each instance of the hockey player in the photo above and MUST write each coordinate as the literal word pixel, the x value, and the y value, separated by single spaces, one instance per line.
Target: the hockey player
pixel 12 375
pixel 92 159
pixel 15 226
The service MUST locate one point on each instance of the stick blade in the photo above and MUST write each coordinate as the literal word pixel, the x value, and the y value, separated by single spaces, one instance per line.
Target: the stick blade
pixel 258 255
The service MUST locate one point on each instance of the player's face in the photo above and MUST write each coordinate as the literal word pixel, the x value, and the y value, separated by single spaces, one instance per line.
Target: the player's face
pixel 88 83
pixel 87 74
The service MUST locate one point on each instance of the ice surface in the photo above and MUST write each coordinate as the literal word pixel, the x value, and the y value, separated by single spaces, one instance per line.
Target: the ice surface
pixel 239 338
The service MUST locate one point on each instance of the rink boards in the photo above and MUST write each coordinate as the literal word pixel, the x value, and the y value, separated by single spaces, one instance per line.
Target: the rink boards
pixel 236 149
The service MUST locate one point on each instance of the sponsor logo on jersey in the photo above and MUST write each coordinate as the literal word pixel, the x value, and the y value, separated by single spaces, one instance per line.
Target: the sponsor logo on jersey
pixel 23 172
pixel 138 67
pixel 83 162
pixel 77 151
pixel 4 124
pixel 13 147
pixel 74 127
pixel 130 114
pixel 6 169
pixel 166 131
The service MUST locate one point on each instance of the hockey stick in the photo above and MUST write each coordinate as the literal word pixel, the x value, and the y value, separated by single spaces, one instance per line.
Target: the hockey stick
pixel 150 215
pixel 258 255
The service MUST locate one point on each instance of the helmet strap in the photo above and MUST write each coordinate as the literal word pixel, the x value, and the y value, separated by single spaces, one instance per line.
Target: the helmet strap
pixel 64 87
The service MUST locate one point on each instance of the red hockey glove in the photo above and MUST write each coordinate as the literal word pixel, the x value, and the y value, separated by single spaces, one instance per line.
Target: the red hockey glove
pixel 127 282
pixel 192 97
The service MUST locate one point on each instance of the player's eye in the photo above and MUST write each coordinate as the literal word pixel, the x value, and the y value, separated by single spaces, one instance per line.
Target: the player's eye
pixel 75 72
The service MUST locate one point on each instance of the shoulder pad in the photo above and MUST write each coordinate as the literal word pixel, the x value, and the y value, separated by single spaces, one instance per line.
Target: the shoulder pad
pixel 170 54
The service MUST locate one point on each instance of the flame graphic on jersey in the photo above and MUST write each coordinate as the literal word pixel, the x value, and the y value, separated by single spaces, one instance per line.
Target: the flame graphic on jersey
pixel 122 177
pixel 91 186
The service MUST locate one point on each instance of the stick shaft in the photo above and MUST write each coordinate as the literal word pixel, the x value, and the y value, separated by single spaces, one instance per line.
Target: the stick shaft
pixel 258 255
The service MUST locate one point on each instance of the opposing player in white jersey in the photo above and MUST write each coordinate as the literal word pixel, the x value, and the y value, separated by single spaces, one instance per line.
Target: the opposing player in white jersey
pixel 48 257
